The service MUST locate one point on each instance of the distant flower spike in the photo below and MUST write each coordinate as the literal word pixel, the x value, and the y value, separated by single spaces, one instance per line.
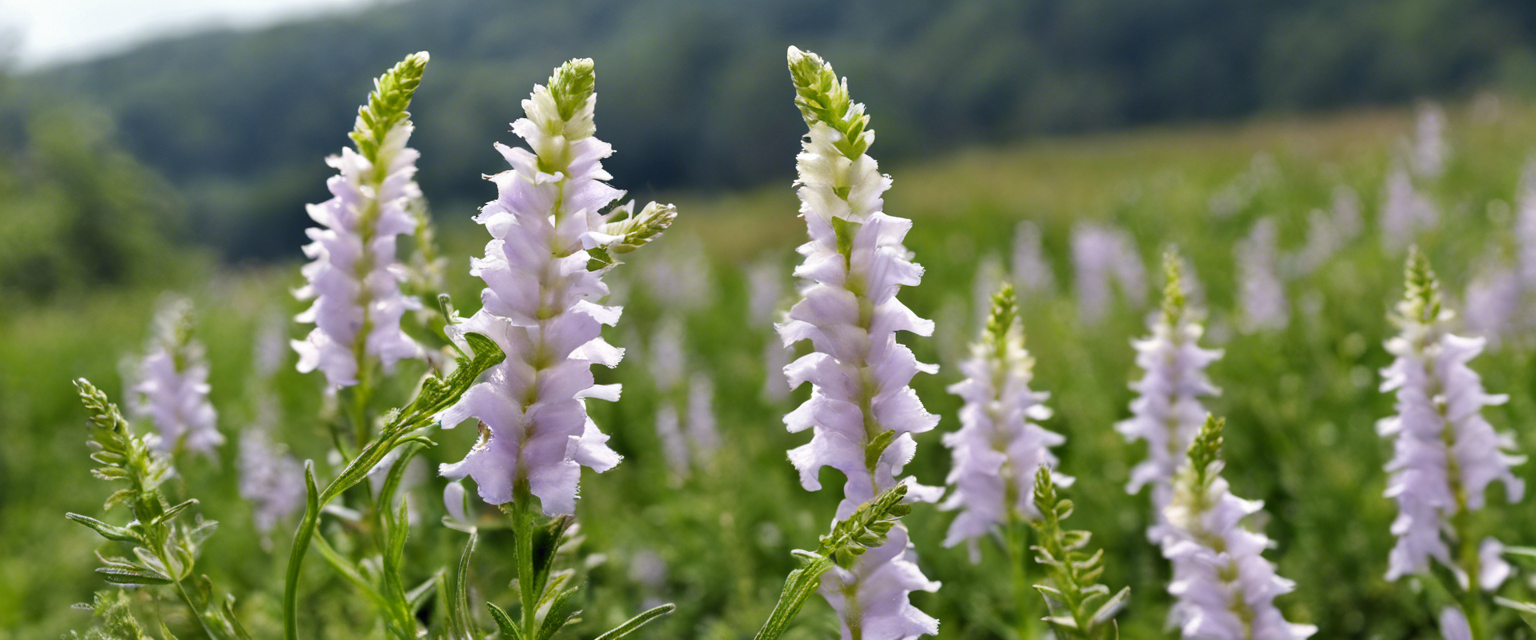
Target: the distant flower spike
pixel 551 244
pixel 1445 454
pixel 998 447
pixel 1223 586
pixel 172 385
pixel 1167 412
pixel 354 278
pixel 861 411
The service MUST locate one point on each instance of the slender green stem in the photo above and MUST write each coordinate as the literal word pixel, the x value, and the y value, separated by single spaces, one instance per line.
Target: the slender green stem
pixel 175 570
pixel 1018 559
pixel 1471 597
pixel 522 514
pixel 301 540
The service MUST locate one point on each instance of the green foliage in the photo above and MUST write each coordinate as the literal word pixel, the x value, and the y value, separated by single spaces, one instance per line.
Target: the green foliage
pixel 401 429
pixel 76 212
pixel 867 527
pixel 164 550
pixel 1080 606
pixel 117 621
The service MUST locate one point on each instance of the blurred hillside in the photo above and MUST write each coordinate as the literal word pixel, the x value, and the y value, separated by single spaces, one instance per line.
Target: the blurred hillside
pixel 694 95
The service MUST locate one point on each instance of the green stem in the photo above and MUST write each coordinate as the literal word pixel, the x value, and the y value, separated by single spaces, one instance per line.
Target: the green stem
pixel 522 514
pixel 1018 558
pixel 1471 597
pixel 798 588
pixel 196 611
pixel 301 540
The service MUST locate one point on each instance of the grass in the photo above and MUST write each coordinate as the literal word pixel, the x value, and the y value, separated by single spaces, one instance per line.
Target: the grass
pixel 1301 402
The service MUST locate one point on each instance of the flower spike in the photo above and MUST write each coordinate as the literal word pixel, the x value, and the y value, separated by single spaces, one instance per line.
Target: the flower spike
pixel 862 413
pixel 555 230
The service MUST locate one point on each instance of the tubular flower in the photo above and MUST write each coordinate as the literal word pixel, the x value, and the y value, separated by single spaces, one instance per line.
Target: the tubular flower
pixel 1167 412
pixel 171 386
pixel 354 278
pixel 541 301
pixel 861 412
pixel 1223 586
pixel 998 448
pixel 1444 453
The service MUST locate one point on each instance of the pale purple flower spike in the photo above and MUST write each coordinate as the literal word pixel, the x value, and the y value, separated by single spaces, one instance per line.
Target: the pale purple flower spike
pixel 859 373
pixel 1104 255
pixel 1439 421
pixel 541 305
pixel 271 479
pixel 1262 305
pixel 354 277
pixel 1167 412
pixel 1223 587
pixel 171 384
pixel 999 446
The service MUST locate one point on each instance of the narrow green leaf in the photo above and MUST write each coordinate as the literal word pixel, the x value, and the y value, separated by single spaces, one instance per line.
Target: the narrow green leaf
pixel 135 577
pixel 638 621
pixel 509 629
pixel 110 532
pixel 459 619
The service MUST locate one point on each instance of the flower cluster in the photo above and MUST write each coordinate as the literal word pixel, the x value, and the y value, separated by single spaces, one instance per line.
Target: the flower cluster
pixel 1430 149
pixel 1445 454
pixel 1328 232
pixel 861 411
pixel 1405 211
pixel 1167 412
pixel 998 448
pixel 1032 272
pixel 1102 254
pixel 1261 294
pixel 541 301
pixel 1223 586
pixel 354 278
pixel 171 385
pixel 271 479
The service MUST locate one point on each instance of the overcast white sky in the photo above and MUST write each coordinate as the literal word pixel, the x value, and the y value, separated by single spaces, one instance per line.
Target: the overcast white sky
pixel 43 32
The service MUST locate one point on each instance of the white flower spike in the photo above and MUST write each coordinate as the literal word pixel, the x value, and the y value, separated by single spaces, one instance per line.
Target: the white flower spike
pixel 1223 587
pixel 1167 412
pixel 998 448
pixel 1445 454
pixel 541 301
pixel 861 412
pixel 354 278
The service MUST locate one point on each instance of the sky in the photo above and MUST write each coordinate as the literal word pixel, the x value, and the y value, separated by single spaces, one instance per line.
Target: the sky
pixel 39 33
